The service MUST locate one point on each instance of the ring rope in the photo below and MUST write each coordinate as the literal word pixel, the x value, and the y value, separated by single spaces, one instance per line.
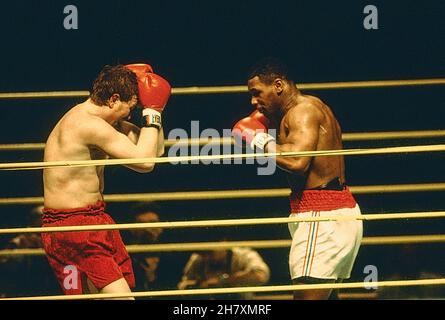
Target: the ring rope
pixel 354 136
pixel 239 89
pixel 388 135
pixel 235 194
pixel 168 143
pixel 345 152
pixel 226 222
pixel 192 292
pixel 256 244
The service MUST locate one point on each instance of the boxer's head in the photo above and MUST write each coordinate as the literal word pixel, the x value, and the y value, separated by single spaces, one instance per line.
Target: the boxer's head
pixel 112 83
pixel 268 83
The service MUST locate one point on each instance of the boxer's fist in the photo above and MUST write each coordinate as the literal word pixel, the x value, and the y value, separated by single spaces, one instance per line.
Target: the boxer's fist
pixel 261 118
pixel 253 130
pixel 154 92
pixel 140 69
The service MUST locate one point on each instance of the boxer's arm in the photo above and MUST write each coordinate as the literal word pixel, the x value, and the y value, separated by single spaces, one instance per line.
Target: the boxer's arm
pixel 161 147
pixel 119 146
pixel 129 129
pixel 132 132
pixel 303 127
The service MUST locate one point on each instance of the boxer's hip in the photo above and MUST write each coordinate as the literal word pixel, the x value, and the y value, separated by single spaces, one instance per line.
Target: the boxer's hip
pixel 91 214
pixel 330 196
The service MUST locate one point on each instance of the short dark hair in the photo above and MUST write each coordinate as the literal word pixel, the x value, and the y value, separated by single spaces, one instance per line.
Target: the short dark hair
pixel 269 69
pixel 111 80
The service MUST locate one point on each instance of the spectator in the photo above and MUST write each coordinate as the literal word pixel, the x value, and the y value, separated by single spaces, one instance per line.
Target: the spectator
pixel 225 268
pixel 145 264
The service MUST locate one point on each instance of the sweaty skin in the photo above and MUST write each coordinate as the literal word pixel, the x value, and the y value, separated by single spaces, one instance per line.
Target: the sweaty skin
pixel 305 124
pixel 309 126
pixel 91 132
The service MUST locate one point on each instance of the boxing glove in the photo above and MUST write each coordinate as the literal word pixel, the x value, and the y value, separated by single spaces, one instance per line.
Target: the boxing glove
pixel 253 130
pixel 154 92
pixel 261 118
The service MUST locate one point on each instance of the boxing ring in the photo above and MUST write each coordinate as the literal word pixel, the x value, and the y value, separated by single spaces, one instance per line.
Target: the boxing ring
pixel 240 194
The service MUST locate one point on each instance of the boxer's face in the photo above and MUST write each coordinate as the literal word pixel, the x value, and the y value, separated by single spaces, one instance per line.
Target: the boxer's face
pixel 263 96
pixel 128 106
pixel 122 108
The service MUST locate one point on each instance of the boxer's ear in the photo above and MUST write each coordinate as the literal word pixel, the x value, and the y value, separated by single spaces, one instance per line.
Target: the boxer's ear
pixel 115 97
pixel 278 85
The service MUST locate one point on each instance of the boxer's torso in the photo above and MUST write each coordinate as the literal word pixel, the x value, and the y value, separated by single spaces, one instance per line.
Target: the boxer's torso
pixel 322 169
pixel 72 187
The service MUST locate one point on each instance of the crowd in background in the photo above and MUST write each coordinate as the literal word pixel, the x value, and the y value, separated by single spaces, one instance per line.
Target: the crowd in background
pixel 30 275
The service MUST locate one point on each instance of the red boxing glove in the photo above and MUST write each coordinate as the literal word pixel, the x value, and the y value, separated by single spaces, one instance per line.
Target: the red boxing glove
pixel 154 92
pixel 140 69
pixel 261 118
pixel 253 130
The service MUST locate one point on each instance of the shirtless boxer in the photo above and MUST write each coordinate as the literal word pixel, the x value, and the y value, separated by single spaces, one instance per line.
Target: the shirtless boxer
pixel 96 129
pixel 321 252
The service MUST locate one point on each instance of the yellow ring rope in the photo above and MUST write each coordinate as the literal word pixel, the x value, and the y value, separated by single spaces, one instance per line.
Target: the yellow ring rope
pixel 256 244
pixel 227 222
pixel 235 194
pixel 240 89
pixel 169 143
pixel 354 136
pixel 388 135
pixel 345 152
pixel 190 292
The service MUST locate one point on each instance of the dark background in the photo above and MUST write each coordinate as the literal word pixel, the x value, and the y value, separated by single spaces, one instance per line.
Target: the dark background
pixel 207 43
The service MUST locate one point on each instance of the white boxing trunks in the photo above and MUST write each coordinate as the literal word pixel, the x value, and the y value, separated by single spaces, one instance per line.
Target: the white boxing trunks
pixel 325 249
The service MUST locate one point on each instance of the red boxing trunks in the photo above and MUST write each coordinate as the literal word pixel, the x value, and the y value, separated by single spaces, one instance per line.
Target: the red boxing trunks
pixel 100 256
